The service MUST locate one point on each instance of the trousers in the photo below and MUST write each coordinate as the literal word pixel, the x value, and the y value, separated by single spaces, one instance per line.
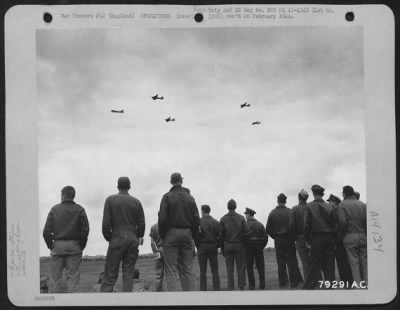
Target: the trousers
pixel 208 252
pixel 322 257
pixel 303 252
pixel 342 262
pixel 178 259
pixel 356 248
pixel 286 256
pixel 123 247
pixel 159 279
pixel 235 253
pixel 255 254
pixel 65 255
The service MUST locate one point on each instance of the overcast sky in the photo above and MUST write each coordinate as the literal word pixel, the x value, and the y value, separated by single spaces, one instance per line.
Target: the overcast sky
pixel 305 86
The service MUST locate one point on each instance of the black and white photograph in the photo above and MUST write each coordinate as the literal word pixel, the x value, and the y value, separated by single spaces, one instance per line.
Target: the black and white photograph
pixel 180 159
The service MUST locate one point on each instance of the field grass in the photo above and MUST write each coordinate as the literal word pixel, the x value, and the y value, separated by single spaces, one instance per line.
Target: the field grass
pixel 90 270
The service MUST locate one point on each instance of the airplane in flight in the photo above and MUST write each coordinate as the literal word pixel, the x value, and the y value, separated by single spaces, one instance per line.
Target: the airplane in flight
pixel 117 111
pixel 169 119
pixel 157 97
pixel 256 123
pixel 244 105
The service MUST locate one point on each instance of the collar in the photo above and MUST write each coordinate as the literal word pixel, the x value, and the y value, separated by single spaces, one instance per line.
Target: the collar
pixel 251 219
pixel 281 206
pixel 319 200
pixel 68 201
pixel 176 186
pixel 231 212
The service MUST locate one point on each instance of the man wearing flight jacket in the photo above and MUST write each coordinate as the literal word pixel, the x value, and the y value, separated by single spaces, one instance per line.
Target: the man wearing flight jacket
pixel 66 232
pixel 123 226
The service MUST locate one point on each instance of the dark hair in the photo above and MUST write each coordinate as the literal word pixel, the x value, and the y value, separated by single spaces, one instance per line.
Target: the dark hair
pixel 231 204
pixel 205 208
pixel 68 192
pixel 136 274
pixel 282 198
pixel 302 197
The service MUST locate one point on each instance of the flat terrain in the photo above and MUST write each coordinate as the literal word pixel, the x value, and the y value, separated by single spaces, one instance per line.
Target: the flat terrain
pixel 90 270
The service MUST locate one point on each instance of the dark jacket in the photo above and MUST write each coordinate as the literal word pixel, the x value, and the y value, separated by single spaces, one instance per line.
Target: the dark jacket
pixel 66 221
pixel 296 219
pixel 278 222
pixel 319 218
pixel 209 230
pixel 234 228
pixel 352 216
pixel 178 209
pixel 123 213
pixel 256 236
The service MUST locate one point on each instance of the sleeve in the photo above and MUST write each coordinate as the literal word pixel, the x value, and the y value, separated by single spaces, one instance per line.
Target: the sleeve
pixel 269 227
pixel 196 224
pixel 84 224
pixel 307 224
pixel 163 217
pixel 141 223
pixel 342 222
pixel 364 217
pixel 221 238
pixel 48 230
pixel 245 230
pixel 106 227
pixel 292 223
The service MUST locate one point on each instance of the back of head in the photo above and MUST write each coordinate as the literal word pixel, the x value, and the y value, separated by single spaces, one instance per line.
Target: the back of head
pixel 124 183
pixel 176 178
pixel 205 209
pixel 348 191
pixel 282 198
pixel 231 204
pixel 317 190
pixel 68 193
pixel 303 195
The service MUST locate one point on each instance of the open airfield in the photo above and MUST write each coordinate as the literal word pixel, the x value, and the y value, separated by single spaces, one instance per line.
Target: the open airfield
pixel 92 266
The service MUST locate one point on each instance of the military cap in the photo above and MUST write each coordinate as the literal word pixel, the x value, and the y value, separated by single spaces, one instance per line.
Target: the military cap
pixel 249 211
pixel 348 190
pixel 334 199
pixel 176 177
pixel 124 183
pixel 303 194
pixel 282 197
pixel 231 204
pixel 317 189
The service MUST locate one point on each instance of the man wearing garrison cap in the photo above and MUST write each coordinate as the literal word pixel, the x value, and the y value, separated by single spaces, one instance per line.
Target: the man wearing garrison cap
pixel 234 230
pixel 178 224
pixel 66 232
pixel 319 228
pixel 278 229
pixel 256 241
pixel 340 252
pixel 123 228
pixel 296 224
pixel 352 214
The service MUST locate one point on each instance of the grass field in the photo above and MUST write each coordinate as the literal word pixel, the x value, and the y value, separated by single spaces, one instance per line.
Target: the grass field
pixel 90 270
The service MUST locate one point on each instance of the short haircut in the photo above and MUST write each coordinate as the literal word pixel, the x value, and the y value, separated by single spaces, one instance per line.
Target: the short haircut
pixel 136 274
pixel 68 192
pixel 231 204
pixel 205 208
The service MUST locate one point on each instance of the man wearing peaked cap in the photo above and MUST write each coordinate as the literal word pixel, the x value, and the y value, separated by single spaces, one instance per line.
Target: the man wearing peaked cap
pixel 352 214
pixel 296 225
pixel 334 199
pixel 179 225
pixel 256 240
pixel 319 229
pixel 278 228
pixel 234 229
pixel 123 227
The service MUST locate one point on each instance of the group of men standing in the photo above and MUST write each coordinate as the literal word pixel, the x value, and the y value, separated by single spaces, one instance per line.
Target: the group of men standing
pixel 311 228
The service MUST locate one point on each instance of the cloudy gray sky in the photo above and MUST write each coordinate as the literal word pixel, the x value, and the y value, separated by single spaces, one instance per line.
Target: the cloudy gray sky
pixel 304 84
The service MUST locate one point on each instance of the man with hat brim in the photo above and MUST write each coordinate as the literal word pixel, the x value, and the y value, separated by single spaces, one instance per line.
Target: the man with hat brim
pixel 65 233
pixel 320 228
pixel 296 225
pixel 207 248
pixel 178 224
pixel 278 228
pixel 123 228
pixel 234 229
pixel 340 252
pixel 256 240
pixel 352 214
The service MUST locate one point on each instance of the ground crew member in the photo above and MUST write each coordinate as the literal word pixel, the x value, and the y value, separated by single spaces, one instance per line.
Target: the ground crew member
pixel 207 248
pixel 278 228
pixel 234 230
pixel 256 240
pixel 352 214
pixel 319 228
pixel 123 227
pixel 65 233
pixel 340 252
pixel 178 224
pixel 156 246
